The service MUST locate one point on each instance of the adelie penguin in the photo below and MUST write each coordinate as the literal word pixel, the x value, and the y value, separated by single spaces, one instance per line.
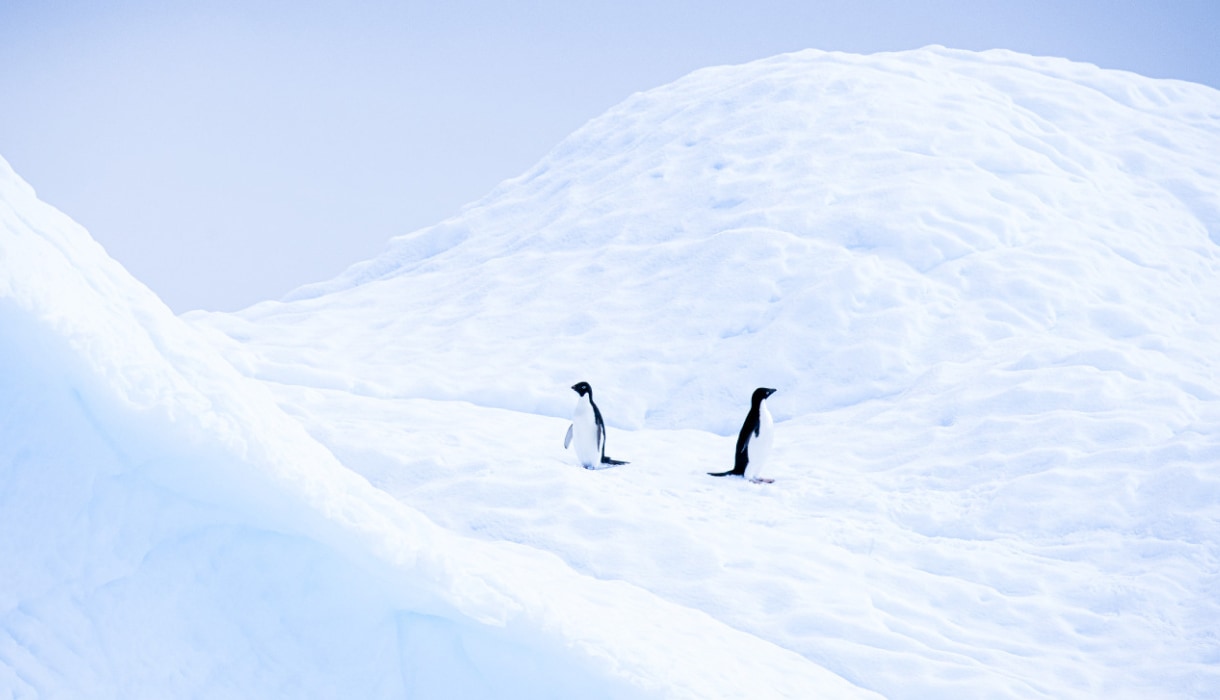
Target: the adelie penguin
pixel 588 431
pixel 754 441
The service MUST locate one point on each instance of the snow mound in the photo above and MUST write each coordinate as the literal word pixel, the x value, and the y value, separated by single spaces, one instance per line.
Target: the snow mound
pixel 835 225
pixel 167 531
pixel 986 285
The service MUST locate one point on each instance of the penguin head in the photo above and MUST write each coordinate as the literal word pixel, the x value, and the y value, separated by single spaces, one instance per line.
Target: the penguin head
pixel 583 389
pixel 761 393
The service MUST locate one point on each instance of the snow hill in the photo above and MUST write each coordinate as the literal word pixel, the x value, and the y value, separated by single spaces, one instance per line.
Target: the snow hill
pixel 985 285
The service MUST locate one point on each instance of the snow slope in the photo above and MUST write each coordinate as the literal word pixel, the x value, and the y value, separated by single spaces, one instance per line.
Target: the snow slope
pixel 986 286
pixel 167 531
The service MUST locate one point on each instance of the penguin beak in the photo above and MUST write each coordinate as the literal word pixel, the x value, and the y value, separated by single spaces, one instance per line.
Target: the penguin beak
pixel 770 391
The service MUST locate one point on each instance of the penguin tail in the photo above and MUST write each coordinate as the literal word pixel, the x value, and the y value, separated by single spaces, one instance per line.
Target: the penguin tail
pixel 731 472
pixel 613 462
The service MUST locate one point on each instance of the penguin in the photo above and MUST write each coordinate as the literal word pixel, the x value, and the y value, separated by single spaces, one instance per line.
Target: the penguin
pixel 589 431
pixel 754 441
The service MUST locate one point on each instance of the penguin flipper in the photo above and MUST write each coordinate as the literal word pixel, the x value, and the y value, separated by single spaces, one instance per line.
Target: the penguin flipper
pixel 567 440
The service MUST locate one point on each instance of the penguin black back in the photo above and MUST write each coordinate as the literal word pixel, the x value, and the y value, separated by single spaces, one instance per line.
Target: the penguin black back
pixel 749 429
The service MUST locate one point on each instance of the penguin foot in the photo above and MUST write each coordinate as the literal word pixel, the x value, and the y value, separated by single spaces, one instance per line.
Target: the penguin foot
pixel 603 465
pixel 762 481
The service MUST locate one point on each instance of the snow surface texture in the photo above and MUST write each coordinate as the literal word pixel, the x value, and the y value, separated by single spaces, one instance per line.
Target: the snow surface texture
pixel 986 286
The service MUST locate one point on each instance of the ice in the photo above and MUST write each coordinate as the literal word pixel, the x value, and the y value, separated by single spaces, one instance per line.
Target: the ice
pixel 985 286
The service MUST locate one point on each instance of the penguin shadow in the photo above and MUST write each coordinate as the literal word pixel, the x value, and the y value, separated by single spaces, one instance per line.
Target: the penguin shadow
pixel 587 436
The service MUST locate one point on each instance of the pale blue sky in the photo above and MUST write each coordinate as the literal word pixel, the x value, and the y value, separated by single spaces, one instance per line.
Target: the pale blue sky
pixel 228 151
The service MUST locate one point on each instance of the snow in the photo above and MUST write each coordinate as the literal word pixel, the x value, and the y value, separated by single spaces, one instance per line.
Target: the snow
pixel 985 286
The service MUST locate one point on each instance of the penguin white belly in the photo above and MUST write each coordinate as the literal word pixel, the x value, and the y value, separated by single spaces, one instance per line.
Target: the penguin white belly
pixel 584 434
pixel 759 449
